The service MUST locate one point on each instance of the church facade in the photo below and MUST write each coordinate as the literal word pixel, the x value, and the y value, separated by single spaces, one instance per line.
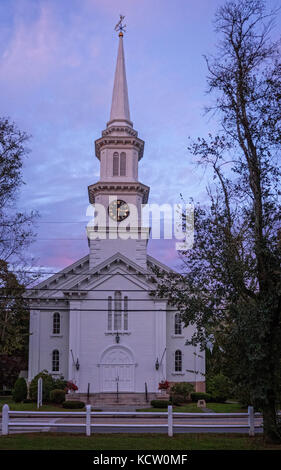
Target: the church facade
pixel 96 322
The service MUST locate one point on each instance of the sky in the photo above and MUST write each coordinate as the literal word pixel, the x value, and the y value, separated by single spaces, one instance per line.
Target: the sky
pixel 57 61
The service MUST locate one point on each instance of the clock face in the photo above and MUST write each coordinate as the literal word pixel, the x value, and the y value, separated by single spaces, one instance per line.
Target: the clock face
pixel 118 210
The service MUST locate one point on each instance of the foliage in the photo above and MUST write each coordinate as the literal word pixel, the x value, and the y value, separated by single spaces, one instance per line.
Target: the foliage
pixel 73 404
pixel 16 232
pixel 57 396
pixel 159 403
pixel 13 313
pixel 231 289
pixel 195 396
pixel 219 387
pixel 10 367
pixel 20 390
pixel 180 392
pixel 49 384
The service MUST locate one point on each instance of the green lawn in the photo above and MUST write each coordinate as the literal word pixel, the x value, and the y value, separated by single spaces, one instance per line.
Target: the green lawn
pixel 192 408
pixel 188 408
pixel 30 406
pixel 227 408
pixel 52 441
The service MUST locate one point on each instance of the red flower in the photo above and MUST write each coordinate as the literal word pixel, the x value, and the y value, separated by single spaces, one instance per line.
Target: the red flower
pixel 71 386
pixel 164 385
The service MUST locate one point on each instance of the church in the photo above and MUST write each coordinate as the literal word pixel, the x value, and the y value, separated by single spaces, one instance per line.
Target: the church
pixel 95 322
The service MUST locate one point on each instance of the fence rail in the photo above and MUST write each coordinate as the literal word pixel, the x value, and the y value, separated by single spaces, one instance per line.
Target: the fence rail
pixel 89 425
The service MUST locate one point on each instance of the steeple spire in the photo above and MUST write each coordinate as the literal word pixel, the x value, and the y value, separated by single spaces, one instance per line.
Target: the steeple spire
pixel 120 111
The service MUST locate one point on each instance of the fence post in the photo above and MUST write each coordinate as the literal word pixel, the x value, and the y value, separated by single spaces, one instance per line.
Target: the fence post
pixel 5 420
pixel 39 392
pixel 88 420
pixel 170 421
pixel 251 420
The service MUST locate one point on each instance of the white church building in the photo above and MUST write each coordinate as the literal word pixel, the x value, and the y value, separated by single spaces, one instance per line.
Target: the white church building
pixel 96 322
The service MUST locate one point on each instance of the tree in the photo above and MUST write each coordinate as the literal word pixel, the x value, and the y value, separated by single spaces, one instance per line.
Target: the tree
pixel 16 231
pixel 232 286
pixel 16 234
pixel 13 313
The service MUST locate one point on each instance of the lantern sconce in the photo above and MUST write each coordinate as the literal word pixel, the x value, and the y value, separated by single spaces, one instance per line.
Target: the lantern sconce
pixel 117 338
pixel 157 364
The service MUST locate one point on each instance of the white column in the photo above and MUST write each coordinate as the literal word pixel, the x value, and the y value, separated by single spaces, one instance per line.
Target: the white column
pixel 34 344
pixel 74 339
pixel 160 341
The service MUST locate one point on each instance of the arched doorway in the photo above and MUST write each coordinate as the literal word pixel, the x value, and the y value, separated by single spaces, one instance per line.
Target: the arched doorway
pixel 117 368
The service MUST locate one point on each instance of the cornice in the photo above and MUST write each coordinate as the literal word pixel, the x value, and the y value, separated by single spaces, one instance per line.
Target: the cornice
pixel 117 187
pixel 109 138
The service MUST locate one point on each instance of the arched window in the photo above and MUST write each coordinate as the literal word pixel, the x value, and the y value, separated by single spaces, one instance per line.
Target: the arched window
pixel 178 329
pixel 56 323
pixel 55 361
pixel 122 164
pixel 117 313
pixel 115 164
pixel 178 361
pixel 109 316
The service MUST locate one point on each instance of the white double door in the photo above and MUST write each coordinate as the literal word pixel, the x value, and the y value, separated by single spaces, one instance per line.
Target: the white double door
pixel 117 372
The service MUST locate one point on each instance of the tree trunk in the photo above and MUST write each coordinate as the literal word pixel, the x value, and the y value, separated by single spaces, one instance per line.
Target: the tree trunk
pixel 271 434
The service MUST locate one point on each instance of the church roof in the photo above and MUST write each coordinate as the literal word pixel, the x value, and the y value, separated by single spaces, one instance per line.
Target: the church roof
pixel 77 277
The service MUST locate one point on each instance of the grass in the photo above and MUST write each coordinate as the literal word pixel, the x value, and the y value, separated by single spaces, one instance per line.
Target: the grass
pixel 192 408
pixel 31 406
pixel 226 407
pixel 187 408
pixel 55 441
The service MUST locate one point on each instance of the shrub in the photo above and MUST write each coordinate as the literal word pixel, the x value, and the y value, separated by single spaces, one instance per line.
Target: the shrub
pixel 195 396
pixel 27 400
pixel 164 385
pixel 20 390
pixel 181 392
pixel 73 404
pixel 57 396
pixel 48 384
pixel 160 403
pixel 60 384
pixel 177 400
pixel 219 386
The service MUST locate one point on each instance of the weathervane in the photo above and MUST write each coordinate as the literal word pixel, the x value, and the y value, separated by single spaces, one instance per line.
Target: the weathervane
pixel 120 26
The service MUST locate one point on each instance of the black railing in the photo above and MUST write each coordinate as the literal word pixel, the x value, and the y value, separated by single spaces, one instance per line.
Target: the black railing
pixel 146 394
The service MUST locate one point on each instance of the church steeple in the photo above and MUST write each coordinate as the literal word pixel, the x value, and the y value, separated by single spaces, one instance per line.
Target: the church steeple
pixel 120 112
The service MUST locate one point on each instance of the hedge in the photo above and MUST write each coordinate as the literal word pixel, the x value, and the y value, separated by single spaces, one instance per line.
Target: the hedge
pixel 57 396
pixel 160 403
pixel 73 404
pixel 195 396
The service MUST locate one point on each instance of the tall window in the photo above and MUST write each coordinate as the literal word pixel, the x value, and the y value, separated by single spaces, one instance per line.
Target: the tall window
pixel 109 317
pixel 123 164
pixel 119 164
pixel 55 361
pixel 115 164
pixel 178 361
pixel 178 329
pixel 56 323
pixel 117 313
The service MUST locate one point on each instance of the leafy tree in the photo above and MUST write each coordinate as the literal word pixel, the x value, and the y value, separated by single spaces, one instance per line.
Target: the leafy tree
pixel 13 313
pixel 16 231
pixel 16 234
pixel 232 286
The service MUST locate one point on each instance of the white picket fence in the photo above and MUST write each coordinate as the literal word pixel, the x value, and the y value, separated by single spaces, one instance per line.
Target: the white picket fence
pixel 9 423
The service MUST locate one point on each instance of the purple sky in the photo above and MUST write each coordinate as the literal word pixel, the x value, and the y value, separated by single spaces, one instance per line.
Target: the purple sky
pixel 57 60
